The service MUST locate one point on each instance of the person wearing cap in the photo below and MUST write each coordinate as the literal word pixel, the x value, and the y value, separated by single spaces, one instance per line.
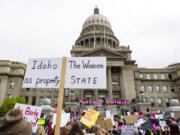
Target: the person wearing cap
pixel 14 124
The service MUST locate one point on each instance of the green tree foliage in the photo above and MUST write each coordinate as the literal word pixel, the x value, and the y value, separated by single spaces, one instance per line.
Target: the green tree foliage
pixel 9 103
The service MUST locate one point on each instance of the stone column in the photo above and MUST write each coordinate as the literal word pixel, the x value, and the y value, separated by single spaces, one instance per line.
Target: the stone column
pixel 30 100
pixel 96 96
pixel 127 83
pixel 37 100
pixel 81 94
pixel 109 83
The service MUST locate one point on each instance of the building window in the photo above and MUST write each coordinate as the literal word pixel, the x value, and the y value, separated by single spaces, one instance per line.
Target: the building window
pixel 155 76
pixel 49 89
pixel 159 100
pixel 172 89
pixel 41 89
pixel 152 101
pixel 144 99
pixel 116 96
pixel 157 89
pixel 11 85
pixel 170 76
pixel 148 76
pixel 27 98
pixel 150 88
pixel 114 83
pixel 14 71
pixel 167 102
pixel 33 100
pixel 10 95
pixel 27 89
pixel 142 88
pixel 55 101
pixel 165 88
pixel 57 89
pixel 162 76
pixel 66 93
pixel 115 70
pixel 141 76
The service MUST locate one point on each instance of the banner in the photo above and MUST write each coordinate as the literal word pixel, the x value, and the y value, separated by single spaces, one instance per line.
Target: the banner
pixel 31 114
pixel 90 117
pixel 81 72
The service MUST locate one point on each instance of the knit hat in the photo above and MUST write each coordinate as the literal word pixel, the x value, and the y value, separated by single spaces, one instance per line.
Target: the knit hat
pixel 14 124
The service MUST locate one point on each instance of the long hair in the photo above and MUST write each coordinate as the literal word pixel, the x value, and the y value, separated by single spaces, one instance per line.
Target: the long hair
pixel 76 129
pixel 40 130
pixel 65 130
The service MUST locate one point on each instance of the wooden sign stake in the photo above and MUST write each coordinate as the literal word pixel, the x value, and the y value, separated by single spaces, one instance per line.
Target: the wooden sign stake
pixel 60 97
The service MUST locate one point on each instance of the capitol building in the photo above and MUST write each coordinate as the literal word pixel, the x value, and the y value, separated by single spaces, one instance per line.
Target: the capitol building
pixel 146 89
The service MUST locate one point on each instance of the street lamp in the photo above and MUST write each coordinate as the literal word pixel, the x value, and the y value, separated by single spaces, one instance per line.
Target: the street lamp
pixel 141 93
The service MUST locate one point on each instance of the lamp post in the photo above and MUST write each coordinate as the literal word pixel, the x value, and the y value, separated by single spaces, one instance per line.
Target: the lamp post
pixel 141 93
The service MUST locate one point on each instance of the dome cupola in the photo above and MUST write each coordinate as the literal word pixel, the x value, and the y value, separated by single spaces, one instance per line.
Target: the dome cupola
pixel 96 19
pixel 97 32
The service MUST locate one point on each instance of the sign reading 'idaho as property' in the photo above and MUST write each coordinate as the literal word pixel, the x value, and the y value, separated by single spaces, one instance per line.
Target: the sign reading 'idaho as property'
pixel 81 72
pixel 43 73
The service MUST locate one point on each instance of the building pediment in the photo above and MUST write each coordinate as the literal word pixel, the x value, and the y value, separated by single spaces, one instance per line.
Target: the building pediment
pixel 103 52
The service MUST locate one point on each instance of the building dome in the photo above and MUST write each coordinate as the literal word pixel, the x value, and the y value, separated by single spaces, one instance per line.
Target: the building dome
pixel 174 102
pixel 97 32
pixel 96 19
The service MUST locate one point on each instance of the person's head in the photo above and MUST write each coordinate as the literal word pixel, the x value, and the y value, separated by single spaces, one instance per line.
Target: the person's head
pixel 40 130
pixel 65 130
pixel 14 124
pixel 97 130
pixel 173 123
pixel 76 129
pixel 49 123
pixel 166 129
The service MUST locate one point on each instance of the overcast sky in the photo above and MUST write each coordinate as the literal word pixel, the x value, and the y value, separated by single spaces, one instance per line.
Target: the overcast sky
pixel 49 28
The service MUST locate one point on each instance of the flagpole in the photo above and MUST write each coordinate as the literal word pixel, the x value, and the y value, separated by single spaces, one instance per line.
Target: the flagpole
pixel 104 37
pixel 94 36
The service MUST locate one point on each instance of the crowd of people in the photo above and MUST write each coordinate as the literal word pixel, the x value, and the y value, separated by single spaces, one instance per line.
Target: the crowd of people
pixel 14 124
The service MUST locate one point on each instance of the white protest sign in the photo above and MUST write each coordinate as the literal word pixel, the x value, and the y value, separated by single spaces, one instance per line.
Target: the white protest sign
pixel 65 117
pixel 159 116
pixel 86 73
pixel 30 113
pixel 108 114
pixel 127 130
pixel 162 124
pixel 43 73
pixel 81 72
pixel 172 114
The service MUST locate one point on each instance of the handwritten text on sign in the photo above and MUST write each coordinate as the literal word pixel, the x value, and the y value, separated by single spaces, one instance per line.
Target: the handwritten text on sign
pixel 30 114
pixel 81 72
pixel 86 72
pixel 43 73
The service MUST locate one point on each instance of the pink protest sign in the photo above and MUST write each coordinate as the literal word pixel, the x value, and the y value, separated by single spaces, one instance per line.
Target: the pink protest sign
pixel 30 113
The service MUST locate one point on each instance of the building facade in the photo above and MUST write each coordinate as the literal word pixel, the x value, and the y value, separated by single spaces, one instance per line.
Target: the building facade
pixel 146 89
